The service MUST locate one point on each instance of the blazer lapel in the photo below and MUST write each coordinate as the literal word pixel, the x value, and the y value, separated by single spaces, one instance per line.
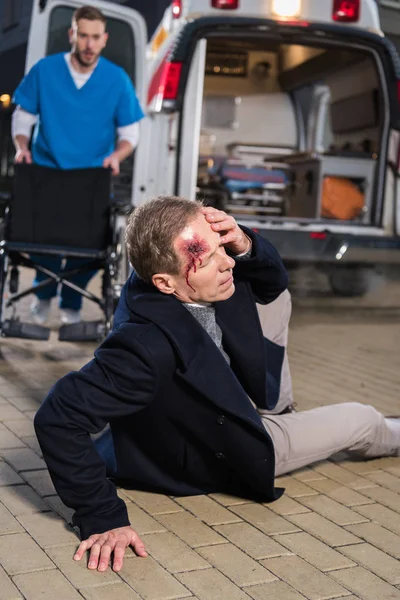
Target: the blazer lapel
pixel 211 376
pixel 243 340
pixel 201 364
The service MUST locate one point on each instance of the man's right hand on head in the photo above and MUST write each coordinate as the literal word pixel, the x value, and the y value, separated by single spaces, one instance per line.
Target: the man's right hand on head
pixel 23 156
pixel 113 542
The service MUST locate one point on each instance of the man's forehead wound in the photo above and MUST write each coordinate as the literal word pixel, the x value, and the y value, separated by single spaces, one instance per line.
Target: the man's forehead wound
pixel 193 247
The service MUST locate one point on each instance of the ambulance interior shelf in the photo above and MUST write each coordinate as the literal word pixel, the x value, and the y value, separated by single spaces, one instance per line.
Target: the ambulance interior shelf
pixel 336 185
pixel 253 181
pixel 242 186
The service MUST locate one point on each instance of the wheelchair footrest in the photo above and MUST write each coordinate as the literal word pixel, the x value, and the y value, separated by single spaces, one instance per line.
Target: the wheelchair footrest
pixel 18 329
pixel 85 331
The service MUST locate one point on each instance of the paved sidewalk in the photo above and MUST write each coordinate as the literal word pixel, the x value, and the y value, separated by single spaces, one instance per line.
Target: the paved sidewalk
pixel 334 534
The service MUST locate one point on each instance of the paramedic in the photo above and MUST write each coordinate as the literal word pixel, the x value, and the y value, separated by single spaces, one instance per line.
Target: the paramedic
pixel 79 103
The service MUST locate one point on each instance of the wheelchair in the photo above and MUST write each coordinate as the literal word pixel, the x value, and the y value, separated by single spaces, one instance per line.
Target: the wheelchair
pixel 68 214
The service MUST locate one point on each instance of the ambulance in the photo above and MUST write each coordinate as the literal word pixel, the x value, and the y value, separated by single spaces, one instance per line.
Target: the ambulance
pixel 284 113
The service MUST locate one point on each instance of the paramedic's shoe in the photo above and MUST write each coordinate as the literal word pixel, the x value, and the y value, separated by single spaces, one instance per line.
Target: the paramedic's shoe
pixel 40 310
pixel 69 316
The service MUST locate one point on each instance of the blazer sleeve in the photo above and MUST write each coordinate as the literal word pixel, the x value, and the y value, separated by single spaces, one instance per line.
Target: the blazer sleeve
pixel 121 380
pixel 264 269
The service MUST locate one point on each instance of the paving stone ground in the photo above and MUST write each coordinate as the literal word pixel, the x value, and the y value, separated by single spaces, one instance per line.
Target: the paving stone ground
pixel 334 534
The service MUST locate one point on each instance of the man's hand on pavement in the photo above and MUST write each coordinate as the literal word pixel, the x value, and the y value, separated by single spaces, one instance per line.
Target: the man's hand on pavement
pixel 23 155
pixel 232 237
pixel 115 542
pixel 112 162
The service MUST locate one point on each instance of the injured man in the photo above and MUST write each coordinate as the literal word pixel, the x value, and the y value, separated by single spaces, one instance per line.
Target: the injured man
pixel 193 382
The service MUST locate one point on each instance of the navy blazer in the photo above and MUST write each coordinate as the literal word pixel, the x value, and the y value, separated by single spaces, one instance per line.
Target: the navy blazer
pixel 180 416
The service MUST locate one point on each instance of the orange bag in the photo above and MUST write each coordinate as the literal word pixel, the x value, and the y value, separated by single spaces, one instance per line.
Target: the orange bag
pixel 341 199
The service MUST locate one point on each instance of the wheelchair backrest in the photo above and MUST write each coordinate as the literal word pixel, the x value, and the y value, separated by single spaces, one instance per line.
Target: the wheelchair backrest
pixel 53 207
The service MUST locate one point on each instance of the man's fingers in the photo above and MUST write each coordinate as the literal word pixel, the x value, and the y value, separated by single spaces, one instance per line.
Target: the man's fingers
pixel 219 220
pixel 85 545
pixel 213 214
pixel 226 225
pixel 81 550
pixel 229 238
pixel 119 553
pixel 139 546
pixel 105 554
pixel 23 157
pixel 102 546
pixel 94 556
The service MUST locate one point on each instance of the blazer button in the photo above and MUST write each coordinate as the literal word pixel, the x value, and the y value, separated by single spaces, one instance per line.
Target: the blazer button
pixel 219 455
pixel 221 420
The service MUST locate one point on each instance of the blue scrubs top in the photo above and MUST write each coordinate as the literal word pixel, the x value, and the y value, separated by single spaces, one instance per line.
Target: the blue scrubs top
pixel 76 128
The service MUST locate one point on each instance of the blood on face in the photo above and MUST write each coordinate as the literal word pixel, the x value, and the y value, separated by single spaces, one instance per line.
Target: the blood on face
pixel 193 250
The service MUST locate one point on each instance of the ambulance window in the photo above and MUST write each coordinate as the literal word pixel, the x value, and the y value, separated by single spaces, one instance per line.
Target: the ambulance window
pixel 120 47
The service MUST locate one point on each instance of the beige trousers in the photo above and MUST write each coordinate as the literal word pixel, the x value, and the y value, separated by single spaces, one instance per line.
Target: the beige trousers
pixel 301 438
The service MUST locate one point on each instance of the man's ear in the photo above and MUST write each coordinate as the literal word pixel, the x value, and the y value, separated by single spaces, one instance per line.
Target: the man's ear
pixel 71 35
pixel 164 283
pixel 105 39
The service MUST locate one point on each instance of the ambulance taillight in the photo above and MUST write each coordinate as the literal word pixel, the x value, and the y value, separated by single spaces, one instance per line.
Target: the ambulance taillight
pixel 171 79
pixel 347 11
pixel 225 4
pixel 164 87
pixel 176 9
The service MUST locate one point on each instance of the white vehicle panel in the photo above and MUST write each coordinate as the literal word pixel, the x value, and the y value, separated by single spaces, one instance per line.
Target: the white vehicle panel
pixel 191 120
pixel 307 10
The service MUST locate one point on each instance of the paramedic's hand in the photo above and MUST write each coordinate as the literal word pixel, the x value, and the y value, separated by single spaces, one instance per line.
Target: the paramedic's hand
pixel 114 542
pixel 23 156
pixel 112 162
pixel 232 237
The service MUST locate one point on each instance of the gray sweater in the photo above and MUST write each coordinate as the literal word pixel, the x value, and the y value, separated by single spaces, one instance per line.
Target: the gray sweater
pixel 205 315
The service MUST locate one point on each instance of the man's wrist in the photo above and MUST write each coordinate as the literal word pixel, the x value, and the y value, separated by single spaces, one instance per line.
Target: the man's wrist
pixel 242 255
pixel 247 251
pixel 21 143
pixel 123 150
